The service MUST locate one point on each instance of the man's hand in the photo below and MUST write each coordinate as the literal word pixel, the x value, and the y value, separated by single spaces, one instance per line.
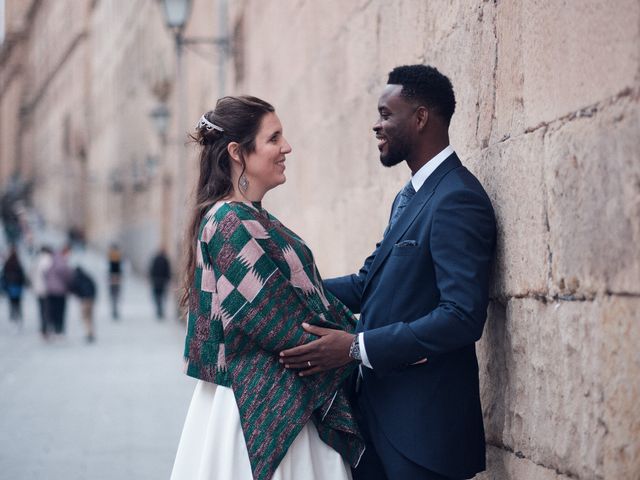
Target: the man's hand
pixel 329 351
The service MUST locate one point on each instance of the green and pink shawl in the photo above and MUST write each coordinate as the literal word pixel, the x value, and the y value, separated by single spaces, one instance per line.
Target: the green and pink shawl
pixel 255 284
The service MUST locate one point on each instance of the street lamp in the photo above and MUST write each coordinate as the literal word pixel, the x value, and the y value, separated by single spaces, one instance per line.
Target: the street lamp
pixel 176 14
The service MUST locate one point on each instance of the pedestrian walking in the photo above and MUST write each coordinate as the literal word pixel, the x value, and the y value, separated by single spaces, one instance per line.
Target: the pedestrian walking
pixel 159 276
pixel 42 264
pixel 115 278
pixel 84 287
pixel 14 281
pixel 57 280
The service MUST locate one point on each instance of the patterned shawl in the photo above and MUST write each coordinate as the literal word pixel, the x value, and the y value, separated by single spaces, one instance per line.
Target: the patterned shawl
pixel 255 283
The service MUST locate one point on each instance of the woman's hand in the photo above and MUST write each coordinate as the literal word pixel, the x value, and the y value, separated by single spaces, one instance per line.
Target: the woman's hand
pixel 328 352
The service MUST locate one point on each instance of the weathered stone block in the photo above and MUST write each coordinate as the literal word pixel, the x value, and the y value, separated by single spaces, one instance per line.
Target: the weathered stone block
pixel 508 120
pixel 619 368
pixel 471 70
pixel 512 174
pixel 553 390
pixel 593 180
pixel 575 54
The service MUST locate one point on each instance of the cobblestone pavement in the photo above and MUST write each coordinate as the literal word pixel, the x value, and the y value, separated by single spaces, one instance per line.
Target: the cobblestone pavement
pixel 109 410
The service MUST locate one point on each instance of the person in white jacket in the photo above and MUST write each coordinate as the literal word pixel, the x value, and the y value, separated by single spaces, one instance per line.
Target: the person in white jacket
pixel 42 264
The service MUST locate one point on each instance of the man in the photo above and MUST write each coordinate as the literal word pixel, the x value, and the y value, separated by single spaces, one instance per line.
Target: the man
pixel 159 275
pixel 422 295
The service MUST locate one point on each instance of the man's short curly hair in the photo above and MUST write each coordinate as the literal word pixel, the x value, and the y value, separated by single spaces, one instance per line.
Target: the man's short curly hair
pixel 426 85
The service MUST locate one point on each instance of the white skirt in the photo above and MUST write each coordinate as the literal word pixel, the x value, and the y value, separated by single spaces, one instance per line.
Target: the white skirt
pixel 212 445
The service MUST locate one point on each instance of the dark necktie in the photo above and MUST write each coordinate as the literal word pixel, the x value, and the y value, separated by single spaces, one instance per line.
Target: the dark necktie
pixel 405 196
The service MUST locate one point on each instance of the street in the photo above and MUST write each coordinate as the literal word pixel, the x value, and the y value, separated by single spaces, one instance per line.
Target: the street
pixel 111 409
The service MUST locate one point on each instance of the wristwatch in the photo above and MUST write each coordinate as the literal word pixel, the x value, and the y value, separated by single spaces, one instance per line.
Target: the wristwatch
pixel 354 350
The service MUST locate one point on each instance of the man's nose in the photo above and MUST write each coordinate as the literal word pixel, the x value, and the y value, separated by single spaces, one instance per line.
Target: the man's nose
pixel 286 148
pixel 377 126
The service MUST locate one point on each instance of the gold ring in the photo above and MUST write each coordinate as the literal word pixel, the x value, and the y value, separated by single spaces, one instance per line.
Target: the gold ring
pixel 309 363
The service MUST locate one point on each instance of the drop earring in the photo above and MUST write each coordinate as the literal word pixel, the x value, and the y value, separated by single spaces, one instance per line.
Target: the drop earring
pixel 243 183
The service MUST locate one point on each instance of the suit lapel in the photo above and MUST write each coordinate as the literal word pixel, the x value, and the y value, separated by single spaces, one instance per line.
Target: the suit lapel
pixel 411 211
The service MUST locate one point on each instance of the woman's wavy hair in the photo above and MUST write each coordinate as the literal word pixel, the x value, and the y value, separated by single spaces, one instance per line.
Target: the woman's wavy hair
pixel 239 118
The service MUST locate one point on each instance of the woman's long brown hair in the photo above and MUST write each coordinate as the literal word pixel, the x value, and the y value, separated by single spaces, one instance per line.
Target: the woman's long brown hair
pixel 240 118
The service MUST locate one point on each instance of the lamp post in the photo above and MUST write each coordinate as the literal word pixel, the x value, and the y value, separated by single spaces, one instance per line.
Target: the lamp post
pixel 176 13
pixel 160 117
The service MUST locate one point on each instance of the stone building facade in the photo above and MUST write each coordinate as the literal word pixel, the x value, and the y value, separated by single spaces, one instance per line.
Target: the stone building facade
pixel 79 79
pixel 12 87
pixel 547 118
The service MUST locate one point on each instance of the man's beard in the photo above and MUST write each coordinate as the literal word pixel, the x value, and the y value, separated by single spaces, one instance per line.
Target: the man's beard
pixel 396 153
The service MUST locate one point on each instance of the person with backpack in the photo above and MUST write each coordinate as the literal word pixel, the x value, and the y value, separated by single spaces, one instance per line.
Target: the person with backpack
pixel 84 287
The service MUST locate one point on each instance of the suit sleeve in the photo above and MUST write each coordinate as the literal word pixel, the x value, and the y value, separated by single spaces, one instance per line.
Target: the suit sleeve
pixel 462 241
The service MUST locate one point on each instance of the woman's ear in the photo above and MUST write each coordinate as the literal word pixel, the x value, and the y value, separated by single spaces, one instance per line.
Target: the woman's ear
pixel 233 148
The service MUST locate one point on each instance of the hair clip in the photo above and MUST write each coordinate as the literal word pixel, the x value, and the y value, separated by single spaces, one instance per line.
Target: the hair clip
pixel 204 123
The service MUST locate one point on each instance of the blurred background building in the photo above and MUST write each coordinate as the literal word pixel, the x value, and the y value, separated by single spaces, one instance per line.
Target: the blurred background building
pixel 547 117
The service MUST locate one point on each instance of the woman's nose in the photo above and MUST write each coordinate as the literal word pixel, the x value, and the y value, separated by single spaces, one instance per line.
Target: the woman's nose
pixel 286 148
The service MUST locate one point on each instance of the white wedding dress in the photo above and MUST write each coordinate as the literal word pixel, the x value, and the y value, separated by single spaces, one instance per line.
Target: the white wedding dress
pixel 212 445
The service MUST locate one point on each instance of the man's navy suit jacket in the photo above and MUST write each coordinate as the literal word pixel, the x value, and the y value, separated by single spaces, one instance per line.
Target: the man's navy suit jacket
pixel 423 293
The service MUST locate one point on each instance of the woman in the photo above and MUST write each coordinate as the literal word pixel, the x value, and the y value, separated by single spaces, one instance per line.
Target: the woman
pixel 57 280
pixel 14 281
pixel 250 284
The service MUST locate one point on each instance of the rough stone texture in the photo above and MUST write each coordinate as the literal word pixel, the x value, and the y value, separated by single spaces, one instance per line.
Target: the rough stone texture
pixel 513 175
pixel 559 384
pixel 558 57
pixel 593 178
pixel 504 464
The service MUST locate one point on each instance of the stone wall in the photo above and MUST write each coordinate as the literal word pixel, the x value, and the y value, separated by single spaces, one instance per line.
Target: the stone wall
pixel 548 119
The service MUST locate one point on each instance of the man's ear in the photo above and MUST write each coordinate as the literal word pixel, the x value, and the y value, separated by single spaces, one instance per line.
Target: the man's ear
pixel 233 148
pixel 422 117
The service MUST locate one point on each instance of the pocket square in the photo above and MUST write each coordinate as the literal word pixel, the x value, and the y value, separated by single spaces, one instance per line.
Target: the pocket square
pixel 407 243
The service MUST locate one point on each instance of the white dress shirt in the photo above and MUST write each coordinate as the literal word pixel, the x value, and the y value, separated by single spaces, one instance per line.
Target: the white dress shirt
pixel 417 181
